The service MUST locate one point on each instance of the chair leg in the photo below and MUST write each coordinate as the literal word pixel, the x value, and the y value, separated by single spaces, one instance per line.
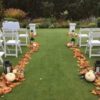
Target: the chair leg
pixel 26 40
pixel 86 49
pixel 5 49
pixel 16 51
pixel 79 42
pixel 20 49
pixel 2 47
pixel 90 51
pixel 1 59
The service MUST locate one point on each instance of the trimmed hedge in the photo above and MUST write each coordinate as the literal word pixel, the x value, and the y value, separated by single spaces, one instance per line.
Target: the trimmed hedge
pixel 98 22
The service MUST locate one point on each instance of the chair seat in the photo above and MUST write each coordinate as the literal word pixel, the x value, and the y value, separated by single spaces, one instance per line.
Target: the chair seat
pixel 0 35
pixel 12 42
pixel 1 53
pixel 94 42
pixel 23 35
pixel 83 35
pixel 1 41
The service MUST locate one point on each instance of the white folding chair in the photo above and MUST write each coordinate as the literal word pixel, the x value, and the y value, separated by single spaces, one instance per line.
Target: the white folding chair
pixel 94 41
pixel 23 33
pixel 11 42
pixel 72 27
pixel 24 37
pixel 95 29
pixel 1 40
pixel 1 56
pixel 83 36
pixel 32 28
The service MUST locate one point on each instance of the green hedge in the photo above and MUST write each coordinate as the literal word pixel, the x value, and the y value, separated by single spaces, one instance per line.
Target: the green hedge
pixel 98 22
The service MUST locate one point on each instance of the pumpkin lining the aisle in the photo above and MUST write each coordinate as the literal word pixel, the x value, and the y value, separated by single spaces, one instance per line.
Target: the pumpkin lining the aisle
pixel 10 77
pixel 7 83
pixel 85 67
pixel 90 76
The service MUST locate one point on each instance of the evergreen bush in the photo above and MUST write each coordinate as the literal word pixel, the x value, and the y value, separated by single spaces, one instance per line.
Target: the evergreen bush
pixel 98 22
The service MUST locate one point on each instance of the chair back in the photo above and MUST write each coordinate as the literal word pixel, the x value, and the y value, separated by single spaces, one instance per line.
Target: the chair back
pixel 1 35
pixel 11 25
pixel 95 29
pixel 72 27
pixel 9 34
pixel 84 30
pixel 94 36
pixel 23 31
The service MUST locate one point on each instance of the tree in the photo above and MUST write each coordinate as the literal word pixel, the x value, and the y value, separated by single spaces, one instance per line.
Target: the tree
pixel 77 9
pixel 47 8
pixel 1 9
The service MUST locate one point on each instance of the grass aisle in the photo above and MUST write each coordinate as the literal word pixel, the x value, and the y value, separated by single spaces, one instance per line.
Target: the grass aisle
pixel 52 73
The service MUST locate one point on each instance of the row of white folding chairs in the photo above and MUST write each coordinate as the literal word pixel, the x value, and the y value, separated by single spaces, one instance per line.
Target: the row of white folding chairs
pixel 10 43
pixel 92 40
pixel 10 36
pixel 84 35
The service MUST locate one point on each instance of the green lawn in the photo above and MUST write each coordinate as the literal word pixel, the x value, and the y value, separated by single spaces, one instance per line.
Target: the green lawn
pixel 52 73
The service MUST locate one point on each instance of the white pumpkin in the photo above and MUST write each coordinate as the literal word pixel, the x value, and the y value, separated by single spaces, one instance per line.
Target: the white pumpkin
pixel 10 77
pixel 90 76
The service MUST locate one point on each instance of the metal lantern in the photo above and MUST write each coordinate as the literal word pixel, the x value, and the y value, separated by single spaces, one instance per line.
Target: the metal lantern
pixel 7 67
pixel 73 40
pixel 31 36
pixel 97 66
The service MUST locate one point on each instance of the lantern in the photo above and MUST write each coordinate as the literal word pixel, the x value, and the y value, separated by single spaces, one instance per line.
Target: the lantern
pixel 31 36
pixel 73 41
pixel 7 66
pixel 97 67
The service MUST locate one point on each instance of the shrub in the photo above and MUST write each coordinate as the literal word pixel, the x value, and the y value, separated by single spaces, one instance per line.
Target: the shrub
pixel 38 20
pixel 44 25
pixel 85 24
pixel 42 22
pixel 57 25
pixel 91 25
pixel 61 24
pixel 14 13
pixel 50 23
pixel 9 19
pixel 98 22
pixel 24 23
